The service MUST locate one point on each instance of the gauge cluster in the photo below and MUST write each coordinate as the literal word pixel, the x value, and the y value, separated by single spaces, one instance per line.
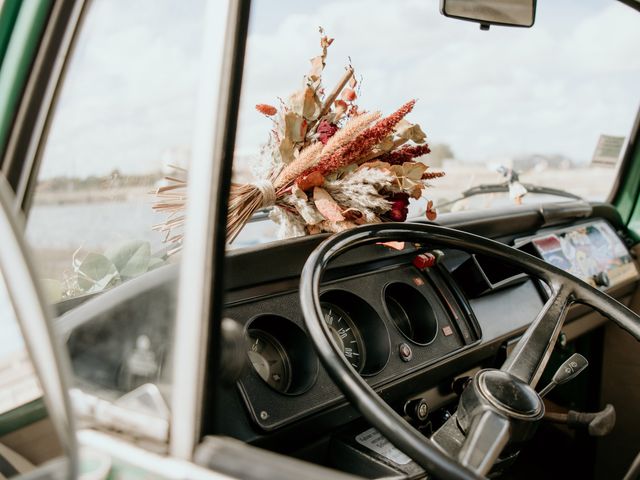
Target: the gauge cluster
pixel 388 323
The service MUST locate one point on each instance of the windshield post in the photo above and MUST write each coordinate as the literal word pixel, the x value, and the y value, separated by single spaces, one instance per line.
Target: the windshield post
pixel 201 288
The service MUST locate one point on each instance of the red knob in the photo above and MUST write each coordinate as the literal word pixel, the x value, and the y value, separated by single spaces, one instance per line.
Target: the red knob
pixel 424 260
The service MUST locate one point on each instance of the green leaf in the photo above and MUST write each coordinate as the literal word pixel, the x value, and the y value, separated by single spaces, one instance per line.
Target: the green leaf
pixel 130 258
pixel 52 290
pixel 156 262
pixel 95 272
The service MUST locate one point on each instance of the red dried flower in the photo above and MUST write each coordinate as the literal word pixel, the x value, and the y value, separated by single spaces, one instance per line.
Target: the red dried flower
pixel 398 215
pixel 363 143
pixel 325 131
pixel 405 154
pixel 267 110
pixel 432 175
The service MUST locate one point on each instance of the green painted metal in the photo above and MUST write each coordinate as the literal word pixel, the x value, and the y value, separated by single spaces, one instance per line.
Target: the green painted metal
pixel 627 200
pixel 121 470
pixel 18 57
pixel 22 416
pixel 8 15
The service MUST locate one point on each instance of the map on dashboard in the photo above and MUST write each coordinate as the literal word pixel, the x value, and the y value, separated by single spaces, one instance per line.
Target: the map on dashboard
pixel 587 250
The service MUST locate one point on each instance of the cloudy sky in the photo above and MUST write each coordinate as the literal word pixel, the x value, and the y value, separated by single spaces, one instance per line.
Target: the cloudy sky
pixel 129 98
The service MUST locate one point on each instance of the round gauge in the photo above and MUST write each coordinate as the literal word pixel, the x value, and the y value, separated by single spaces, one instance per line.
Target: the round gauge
pixel 412 312
pixel 269 360
pixel 345 333
pixel 400 317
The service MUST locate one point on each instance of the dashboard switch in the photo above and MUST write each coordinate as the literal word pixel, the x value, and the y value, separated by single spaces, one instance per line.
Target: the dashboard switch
pixel 405 351
pixel 424 260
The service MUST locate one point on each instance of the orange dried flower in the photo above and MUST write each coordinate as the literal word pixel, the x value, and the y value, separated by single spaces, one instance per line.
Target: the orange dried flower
pixel 431 211
pixel 341 105
pixel 266 109
pixel 349 94
pixel 314 179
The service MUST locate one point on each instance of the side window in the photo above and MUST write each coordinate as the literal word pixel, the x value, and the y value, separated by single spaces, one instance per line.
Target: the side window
pixel 18 382
pixel 123 121
pixel 22 407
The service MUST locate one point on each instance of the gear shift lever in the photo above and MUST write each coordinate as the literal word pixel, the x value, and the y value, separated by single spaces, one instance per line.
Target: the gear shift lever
pixel 569 370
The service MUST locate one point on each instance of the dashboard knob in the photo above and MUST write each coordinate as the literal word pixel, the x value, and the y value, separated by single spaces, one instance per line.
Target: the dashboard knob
pixel 602 279
pixel 417 409
pixel 405 352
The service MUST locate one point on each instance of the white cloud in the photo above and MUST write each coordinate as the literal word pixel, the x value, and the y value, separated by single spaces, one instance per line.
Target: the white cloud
pixel 130 92
pixel 550 89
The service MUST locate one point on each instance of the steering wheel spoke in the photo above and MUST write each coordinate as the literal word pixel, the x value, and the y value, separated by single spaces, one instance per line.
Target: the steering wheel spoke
pixel 531 353
pixel 486 439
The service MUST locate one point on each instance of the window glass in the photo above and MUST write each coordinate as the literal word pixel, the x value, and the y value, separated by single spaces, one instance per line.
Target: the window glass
pixel 535 101
pixel 124 118
pixel 123 122
pixel 22 406
pixel 18 381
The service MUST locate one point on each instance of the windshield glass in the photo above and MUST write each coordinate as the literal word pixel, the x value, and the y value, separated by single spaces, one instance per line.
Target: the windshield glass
pixel 549 106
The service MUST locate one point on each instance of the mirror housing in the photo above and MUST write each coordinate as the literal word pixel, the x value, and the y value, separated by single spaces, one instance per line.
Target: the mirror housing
pixel 510 13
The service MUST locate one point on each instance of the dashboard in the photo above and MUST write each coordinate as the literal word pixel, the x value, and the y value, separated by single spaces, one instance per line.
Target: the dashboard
pixel 392 319
pixel 410 330
pixel 387 322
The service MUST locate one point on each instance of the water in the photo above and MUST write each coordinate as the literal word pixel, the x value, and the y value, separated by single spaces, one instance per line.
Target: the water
pixel 94 226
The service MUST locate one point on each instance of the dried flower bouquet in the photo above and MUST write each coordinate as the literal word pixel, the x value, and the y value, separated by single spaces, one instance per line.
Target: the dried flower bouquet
pixel 328 166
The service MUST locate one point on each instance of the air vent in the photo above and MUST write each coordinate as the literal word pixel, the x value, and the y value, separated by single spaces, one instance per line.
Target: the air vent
pixel 479 275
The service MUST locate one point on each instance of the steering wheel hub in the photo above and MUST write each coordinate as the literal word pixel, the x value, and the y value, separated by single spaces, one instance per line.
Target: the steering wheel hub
pixel 510 395
pixel 506 395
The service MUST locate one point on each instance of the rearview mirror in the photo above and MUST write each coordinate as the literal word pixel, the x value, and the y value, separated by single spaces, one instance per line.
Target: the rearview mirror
pixel 513 13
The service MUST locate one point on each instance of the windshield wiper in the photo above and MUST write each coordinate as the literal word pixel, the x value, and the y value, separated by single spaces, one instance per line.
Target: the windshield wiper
pixel 504 187
pixel 513 186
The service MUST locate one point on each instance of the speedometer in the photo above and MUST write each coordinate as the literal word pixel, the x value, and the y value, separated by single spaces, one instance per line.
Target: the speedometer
pixel 345 333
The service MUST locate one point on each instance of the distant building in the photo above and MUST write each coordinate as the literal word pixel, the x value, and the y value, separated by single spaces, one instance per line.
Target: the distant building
pixel 530 162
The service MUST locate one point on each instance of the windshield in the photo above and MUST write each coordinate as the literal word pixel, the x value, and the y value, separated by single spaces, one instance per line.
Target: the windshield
pixel 549 106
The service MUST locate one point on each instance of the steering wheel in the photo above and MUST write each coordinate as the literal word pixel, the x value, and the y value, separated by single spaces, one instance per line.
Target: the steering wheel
pixel 499 406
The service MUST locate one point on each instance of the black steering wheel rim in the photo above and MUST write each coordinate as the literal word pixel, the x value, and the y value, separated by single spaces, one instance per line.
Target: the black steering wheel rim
pixel 566 288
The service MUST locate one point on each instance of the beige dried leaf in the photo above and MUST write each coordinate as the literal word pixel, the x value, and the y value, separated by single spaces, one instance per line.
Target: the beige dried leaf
pixel 386 145
pixel 410 131
pixel 299 193
pixel 409 177
pixel 317 66
pixel 286 150
pixel 326 205
pixel 377 164
pixel 295 127
pixel 337 227
pixel 305 103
